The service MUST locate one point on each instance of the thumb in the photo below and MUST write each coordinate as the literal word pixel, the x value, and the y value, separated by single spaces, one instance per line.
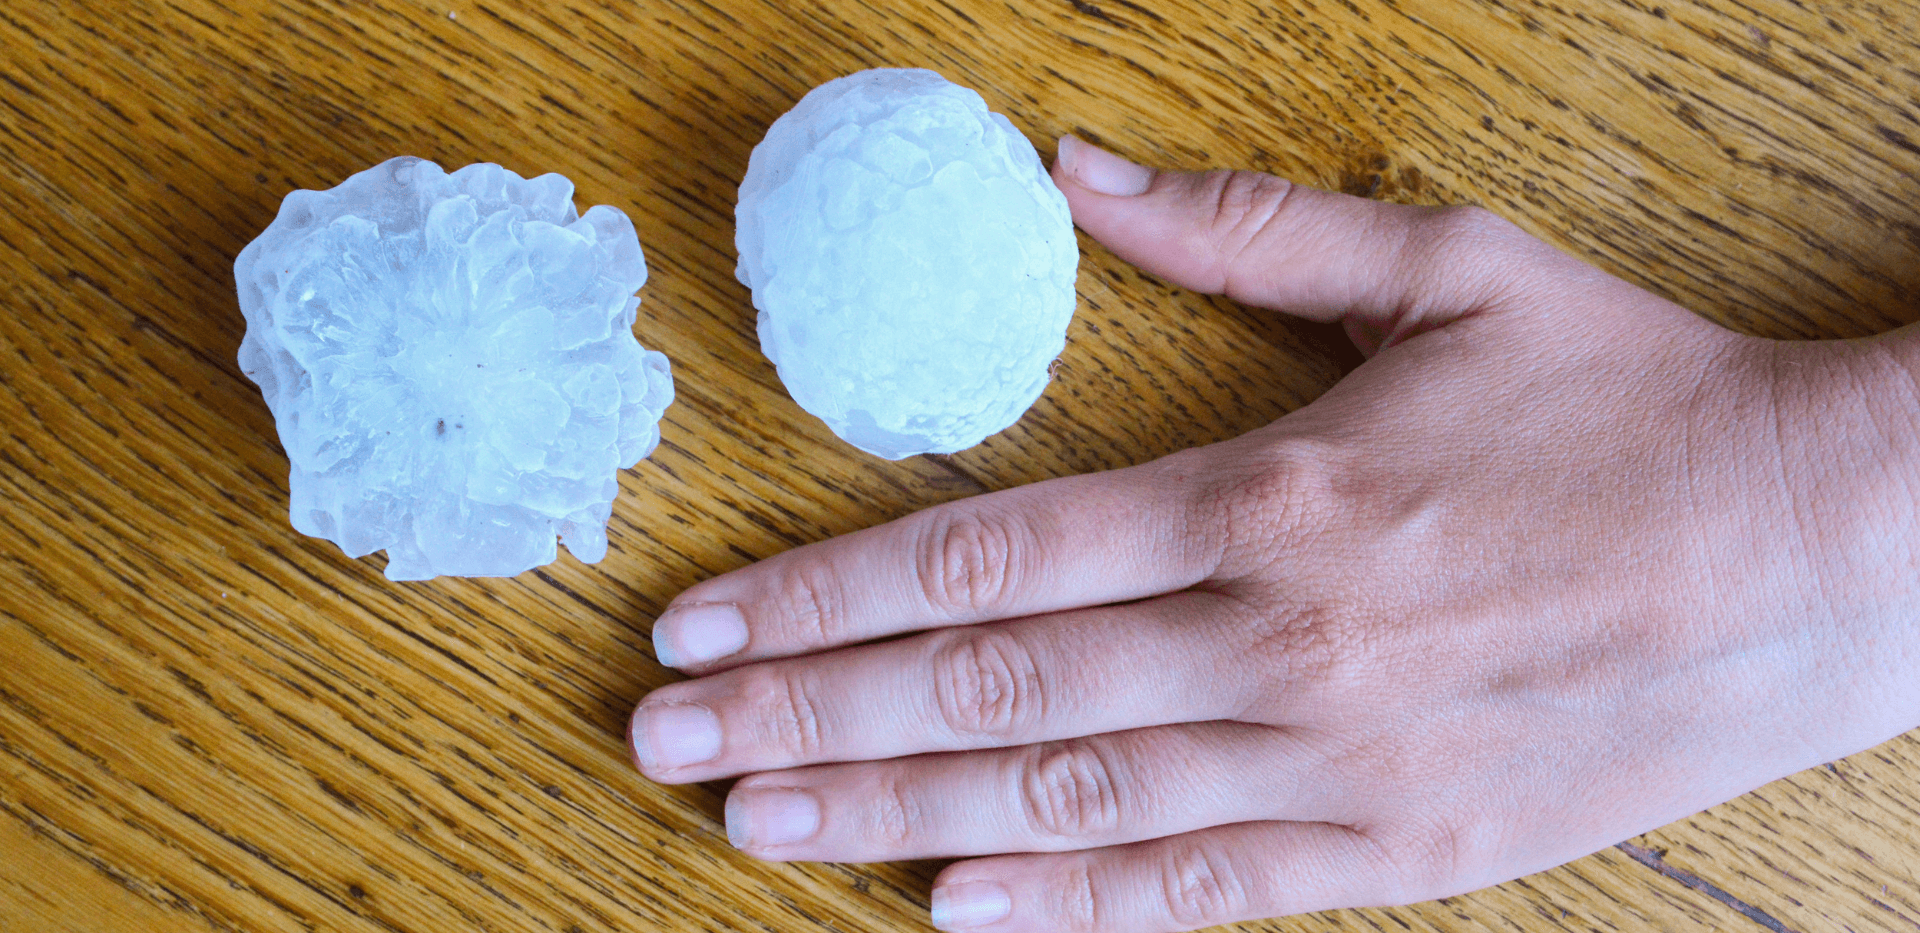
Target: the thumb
pixel 1387 271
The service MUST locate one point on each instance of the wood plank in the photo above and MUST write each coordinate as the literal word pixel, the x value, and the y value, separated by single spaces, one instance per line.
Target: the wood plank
pixel 68 895
pixel 210 722
pixel 1832 848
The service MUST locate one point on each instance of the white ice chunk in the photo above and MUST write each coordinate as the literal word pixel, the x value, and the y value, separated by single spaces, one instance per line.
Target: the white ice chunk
pixel 912 262
pixel 451 363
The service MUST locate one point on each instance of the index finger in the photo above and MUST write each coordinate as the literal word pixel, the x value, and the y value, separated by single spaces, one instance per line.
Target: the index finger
pixel 1060 544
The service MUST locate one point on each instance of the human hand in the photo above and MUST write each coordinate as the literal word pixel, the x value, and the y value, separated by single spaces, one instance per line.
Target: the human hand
pixel 1559 564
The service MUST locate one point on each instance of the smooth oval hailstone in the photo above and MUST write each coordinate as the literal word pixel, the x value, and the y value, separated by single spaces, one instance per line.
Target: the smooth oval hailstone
pixel 451 365
pixel 911 260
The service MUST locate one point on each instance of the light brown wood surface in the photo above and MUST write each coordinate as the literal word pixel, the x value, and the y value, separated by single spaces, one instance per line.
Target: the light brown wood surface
pixel 210 722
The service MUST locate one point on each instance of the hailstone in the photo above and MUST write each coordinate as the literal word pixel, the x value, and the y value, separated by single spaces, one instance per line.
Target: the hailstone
pixel 912 263
pixel 451 365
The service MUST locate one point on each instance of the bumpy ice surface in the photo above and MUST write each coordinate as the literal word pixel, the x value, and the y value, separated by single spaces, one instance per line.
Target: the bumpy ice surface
pixel 912 263
pixel 451 363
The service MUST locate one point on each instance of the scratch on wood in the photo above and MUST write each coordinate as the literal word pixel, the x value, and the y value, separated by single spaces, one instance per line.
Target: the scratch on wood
pixel 1652 860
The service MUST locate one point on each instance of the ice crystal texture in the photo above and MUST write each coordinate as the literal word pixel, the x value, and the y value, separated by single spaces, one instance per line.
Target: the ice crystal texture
pixel 912 263
pixel 451 363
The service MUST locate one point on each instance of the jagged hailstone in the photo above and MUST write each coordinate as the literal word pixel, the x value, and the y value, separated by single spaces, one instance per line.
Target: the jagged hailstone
pixel 912 262
pixel 451 364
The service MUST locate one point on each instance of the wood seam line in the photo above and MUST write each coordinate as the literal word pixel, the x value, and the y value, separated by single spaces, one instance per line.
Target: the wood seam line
pixel 1653 860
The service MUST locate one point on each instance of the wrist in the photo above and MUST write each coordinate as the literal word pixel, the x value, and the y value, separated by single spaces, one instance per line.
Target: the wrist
pixel 1847 422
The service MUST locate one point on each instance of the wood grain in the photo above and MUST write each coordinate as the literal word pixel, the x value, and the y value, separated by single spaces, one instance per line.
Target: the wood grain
pixel 208 721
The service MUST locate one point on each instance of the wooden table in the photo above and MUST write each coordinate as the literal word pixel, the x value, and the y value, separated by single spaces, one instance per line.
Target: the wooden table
pixel 210 722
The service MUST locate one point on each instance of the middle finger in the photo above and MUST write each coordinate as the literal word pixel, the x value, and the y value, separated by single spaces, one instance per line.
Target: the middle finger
pixel 1067 675
pixel 1082 793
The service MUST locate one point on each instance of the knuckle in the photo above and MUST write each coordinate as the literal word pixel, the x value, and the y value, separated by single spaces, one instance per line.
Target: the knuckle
pixel 896 816
pixel 809 601
pixel 1243 203
pixel 786 718
pixel 1465 259
pixel 986 684
pixel 1463 236
pixel 966 560
pixel 1200 885
pixel 1292 645
pixel 1473 222
pixel 1424 859
pixel 1076 902
pixel 1439 858
pixel 1069 792
pixel 1268 502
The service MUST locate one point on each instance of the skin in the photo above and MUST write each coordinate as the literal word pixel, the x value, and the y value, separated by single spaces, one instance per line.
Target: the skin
pixel 1559 564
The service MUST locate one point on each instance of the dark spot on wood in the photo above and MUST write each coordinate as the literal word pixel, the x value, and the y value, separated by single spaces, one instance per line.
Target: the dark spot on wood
pixel 91 282
pixel 1088 9
pixel 191 683
pixel 338 795
pixel 1409 182
pixel 151 713
pixel 1897 138
pixel 356 892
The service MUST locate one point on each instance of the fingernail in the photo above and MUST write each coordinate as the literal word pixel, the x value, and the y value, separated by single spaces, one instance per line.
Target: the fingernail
pixel 1099 170
pixel 674 736
pixel 698 632
pixel 968 905
pixel 771 816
